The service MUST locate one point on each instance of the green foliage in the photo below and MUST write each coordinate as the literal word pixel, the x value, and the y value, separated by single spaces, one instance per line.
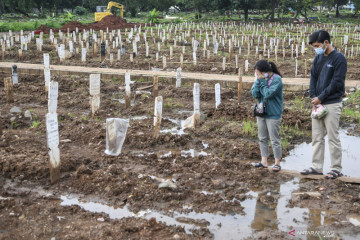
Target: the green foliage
pixel 80 10
pixel 351 110
pixel 17 26
pixel 35 124
pixel 301 105
pixel 249 128
pixel 153 16
pixel 179 20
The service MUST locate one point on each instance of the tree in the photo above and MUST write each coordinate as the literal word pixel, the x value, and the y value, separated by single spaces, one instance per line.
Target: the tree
pixel 247 5
pixel 337 4
pixel 356 5
pixel 301 7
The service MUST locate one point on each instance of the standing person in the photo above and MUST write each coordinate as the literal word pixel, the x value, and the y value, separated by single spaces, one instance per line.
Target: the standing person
pixel 327 86
pixel 268 87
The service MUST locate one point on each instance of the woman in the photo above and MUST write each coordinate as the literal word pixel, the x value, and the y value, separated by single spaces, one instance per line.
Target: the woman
pixel 268 86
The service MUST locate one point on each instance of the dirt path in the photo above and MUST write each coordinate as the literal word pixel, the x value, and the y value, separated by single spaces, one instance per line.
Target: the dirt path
pixel 292 84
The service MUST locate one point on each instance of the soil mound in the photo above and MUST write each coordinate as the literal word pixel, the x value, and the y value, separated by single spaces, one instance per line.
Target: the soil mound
pixel 72 26
pixel 44 28
pixel 113 22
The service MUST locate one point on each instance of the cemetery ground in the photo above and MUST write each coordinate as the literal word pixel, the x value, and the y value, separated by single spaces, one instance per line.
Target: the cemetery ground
pixel 187 184
pixel 292 64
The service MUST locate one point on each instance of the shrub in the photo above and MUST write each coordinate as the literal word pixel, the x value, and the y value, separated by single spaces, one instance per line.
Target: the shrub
pixel 80 10
pixel 153 16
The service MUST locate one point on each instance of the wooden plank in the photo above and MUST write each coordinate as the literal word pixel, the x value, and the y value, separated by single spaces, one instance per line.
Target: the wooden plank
pixel 185 75
pixel 318 177
pixel 143 88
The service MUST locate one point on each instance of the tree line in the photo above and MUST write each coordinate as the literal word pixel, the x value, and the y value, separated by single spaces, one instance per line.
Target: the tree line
pixel 272 8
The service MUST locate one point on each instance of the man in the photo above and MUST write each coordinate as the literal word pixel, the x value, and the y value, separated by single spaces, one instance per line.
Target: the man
pixel 327 86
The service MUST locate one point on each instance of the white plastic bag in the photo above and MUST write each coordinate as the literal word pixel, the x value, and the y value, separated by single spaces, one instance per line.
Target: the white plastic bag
pixel 116 129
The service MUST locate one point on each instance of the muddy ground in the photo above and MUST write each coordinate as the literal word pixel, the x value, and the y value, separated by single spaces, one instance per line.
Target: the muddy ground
pixel 209 167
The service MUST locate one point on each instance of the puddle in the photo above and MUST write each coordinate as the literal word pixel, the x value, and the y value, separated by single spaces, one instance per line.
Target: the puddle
pixel 193 153
pixel 300 157
pixel 258 216
pixel 165 153
pixel 122 101
pixel 178 129
pixel 354 219
pixel 140 117
pixel 139 92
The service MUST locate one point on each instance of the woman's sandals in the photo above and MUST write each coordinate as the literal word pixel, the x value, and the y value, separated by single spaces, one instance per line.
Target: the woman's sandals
pixel 276 168
pixel 259 165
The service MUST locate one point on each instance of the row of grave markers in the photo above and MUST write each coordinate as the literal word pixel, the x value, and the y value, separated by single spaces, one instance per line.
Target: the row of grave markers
pixel 115 128
pixel 219 37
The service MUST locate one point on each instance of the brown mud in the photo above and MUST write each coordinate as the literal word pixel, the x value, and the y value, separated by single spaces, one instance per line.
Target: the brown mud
pixel 110 22
pixel 209 165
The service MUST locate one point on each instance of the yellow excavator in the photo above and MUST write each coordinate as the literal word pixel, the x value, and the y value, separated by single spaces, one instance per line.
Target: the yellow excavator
pixel 101 12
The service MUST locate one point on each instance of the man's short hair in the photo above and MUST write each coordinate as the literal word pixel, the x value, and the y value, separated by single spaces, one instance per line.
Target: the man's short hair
pixel 319 36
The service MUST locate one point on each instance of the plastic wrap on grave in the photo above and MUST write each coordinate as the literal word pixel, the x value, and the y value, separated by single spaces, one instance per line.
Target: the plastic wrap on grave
pixel 116 129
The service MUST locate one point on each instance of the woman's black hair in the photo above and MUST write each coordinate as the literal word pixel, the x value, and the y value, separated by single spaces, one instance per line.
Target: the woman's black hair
pixel 265 66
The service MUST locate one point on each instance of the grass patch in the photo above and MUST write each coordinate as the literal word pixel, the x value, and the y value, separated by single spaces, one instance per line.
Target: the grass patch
pixel 249 128
pixel 300 104
pixel 351 110
pixel 169 103
pixel 35 124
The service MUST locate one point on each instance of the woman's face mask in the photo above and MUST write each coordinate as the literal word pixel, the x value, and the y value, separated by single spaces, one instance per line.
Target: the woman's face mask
pixel 260 75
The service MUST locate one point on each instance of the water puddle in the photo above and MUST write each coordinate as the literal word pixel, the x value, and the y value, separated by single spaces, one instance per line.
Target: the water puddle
pixel 168 152
pixel 178 129
pixel 300 157
pixel 354 219
pixel 258 216
pixel 139 118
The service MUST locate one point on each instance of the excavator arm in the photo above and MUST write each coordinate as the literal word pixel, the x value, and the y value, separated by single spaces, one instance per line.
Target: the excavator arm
pixel 101 15
pixel 117 5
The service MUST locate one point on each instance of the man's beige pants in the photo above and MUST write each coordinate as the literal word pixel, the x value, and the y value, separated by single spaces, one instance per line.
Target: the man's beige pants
pixel 320 127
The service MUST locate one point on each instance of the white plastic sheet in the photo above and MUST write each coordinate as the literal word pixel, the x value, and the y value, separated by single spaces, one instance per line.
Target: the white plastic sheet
pixel 116 129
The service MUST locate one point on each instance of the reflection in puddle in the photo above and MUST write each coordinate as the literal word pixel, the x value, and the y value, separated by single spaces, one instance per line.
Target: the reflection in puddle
pixel 193 153
pixel 178 129
pixel 140 117
pixel 166 153
pixel 258 216
pixel 300 157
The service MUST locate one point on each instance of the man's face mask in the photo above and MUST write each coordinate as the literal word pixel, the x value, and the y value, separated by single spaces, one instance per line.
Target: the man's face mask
pixel 320 50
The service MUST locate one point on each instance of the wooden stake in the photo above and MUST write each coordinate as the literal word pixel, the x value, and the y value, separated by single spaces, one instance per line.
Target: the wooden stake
pixel 240 86
pixel 208 57
pixel 20 54
pixel 9 89
pixel 155 86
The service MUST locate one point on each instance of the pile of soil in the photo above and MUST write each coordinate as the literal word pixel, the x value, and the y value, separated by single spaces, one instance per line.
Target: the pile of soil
pixel 112 22
pixel 44 28
pixel 72 26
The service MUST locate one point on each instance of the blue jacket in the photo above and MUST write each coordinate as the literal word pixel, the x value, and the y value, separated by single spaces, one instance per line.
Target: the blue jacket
pixel 273 95
pixel 329 84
